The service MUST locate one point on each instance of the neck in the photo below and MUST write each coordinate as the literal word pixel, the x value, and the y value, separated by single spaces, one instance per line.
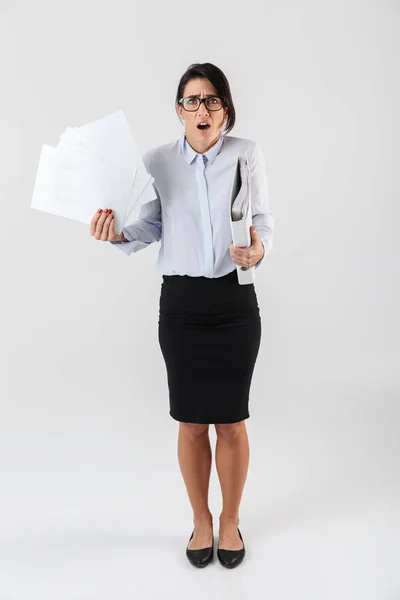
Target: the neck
pixel 201 146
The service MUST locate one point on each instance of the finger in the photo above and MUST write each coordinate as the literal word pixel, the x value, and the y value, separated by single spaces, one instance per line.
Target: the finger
pixel 241 263
pixel 238 259
pixel 94 220
pixel 244 258
pixel 106 226
pixel 235 254
pixel 100 223
pixel 111 230
pixel 239 252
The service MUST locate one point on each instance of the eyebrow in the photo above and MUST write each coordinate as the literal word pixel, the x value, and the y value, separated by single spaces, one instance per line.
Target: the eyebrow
pixel 198 95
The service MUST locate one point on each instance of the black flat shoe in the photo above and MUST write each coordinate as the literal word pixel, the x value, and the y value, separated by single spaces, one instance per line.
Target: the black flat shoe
pixel 231 558
pixel 202 556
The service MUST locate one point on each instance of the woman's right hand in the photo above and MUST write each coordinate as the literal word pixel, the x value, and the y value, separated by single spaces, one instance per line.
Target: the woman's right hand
pixel 102 226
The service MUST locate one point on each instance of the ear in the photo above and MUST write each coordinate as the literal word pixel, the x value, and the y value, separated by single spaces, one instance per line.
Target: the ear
pixel 180 112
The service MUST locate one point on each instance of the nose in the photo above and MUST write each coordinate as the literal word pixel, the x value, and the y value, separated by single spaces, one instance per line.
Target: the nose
pixel 203 105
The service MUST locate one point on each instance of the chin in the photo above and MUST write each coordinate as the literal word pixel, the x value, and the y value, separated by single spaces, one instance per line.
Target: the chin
pixel 208 132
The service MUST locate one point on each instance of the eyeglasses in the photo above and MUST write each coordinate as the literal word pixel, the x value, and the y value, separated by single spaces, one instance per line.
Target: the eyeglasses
pixel 192 103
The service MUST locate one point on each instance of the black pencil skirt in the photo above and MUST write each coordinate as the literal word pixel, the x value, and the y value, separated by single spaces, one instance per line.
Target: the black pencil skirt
pixel 209 332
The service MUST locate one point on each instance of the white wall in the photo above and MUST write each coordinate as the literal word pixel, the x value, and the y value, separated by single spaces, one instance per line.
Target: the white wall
pixel 86 441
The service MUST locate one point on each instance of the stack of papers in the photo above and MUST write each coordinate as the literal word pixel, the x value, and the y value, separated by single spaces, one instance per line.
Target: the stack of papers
pixel 240 215
pixel 94 166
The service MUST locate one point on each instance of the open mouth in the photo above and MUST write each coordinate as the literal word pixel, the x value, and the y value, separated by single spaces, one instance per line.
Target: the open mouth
pixel 203 127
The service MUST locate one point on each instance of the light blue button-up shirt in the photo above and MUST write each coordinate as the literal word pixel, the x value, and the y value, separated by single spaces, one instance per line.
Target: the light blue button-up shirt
pixel 191 215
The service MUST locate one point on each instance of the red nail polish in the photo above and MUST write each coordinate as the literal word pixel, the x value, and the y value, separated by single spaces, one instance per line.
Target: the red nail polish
pixel 110 211
pixel 106 211
pixel 100 210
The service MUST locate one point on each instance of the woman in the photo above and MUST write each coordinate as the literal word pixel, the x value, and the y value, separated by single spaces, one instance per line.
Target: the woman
pixel 209 324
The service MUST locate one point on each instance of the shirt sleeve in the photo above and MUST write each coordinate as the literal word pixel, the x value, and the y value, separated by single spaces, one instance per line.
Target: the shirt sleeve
pixel 262 216
pixel 147 228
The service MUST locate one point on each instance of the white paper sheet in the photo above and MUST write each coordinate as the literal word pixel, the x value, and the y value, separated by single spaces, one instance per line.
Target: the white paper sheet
pixel 94 166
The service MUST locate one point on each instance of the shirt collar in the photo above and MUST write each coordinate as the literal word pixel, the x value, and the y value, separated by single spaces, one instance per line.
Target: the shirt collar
pixel 191 154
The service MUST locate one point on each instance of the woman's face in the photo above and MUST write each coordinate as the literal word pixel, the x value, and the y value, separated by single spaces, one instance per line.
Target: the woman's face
pixel 202 87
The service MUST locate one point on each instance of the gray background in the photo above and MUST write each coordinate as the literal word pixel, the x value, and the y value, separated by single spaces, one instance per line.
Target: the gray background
pixel 90 484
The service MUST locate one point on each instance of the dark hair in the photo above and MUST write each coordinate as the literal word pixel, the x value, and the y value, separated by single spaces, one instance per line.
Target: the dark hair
pixel 219 81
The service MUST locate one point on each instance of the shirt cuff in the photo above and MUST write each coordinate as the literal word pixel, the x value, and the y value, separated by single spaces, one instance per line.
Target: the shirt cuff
pixel 262 258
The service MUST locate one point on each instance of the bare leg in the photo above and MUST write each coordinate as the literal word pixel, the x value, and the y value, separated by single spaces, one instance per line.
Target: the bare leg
pixel 194 455
pixel 232 461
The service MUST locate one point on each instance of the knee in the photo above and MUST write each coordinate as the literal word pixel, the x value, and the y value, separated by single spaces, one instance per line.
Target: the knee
pixel 230 431
pixel 193 430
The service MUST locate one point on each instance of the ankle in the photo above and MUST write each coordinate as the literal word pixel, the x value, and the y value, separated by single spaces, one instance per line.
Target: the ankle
pixel 228 520
pixel 202 518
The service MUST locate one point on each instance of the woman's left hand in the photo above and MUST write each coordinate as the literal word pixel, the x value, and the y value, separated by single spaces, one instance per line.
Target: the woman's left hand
pixel 250 255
